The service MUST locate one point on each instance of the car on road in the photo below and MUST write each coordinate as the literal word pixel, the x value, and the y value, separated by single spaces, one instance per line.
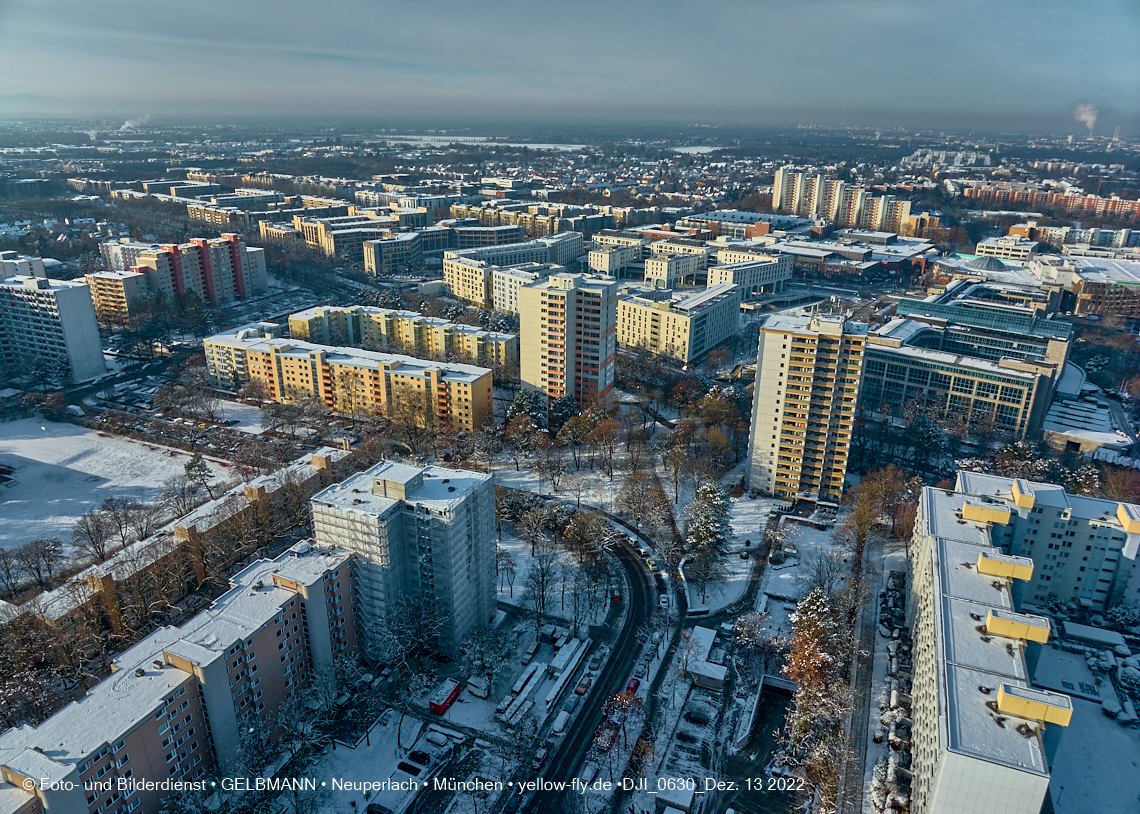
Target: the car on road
pixel 616 597
pixel 631 687
pixel 583 685
pixel 663 600
pixel 539 759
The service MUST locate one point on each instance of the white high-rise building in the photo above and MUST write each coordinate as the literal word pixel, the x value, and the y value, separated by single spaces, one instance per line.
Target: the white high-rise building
pixel 417 532
pixel 50 321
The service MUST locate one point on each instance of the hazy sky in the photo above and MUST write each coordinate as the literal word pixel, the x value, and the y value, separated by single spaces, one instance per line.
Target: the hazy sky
pixel 966 63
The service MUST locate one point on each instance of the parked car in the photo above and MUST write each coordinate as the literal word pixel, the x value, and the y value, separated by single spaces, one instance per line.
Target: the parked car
pixel 596 661
pixel 539 759
pixel 663 600
pixel 571 703
pixel 420 757
pixel 631 687
pixel 697 717
pixel 583 685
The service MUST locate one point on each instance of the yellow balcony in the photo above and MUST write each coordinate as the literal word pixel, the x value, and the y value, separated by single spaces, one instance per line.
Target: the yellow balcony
pixel 1022 494
pixel 1002 565
pixel 1034 705
pixel 985 512
pixel 1022 626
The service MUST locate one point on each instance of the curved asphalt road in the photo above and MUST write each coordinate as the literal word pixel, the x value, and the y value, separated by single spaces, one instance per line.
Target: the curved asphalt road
pixel 564 763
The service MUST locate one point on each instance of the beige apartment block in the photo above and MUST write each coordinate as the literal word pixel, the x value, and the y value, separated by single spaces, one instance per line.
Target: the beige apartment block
pixel 568 336
pixel 670 270
pixel 506 282
pixel 754 276
pixel 118 296
pixel 469 279
pixel 406 331
pixel 351 380
pixel 685 327
pixel 808 372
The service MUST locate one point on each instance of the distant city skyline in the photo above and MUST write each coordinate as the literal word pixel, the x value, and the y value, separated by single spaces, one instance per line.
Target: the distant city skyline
pixel 1046 66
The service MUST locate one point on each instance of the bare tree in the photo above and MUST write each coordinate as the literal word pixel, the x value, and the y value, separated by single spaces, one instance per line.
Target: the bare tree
pixel 91 534
pixel 11 571
pixel 180 494
pixel 41 559
pixel 541 579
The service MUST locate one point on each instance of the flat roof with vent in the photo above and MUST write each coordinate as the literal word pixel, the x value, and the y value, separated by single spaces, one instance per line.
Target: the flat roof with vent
pixel 976 726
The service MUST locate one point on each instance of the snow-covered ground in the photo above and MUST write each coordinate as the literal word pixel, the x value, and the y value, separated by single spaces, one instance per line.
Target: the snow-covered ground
pixel 373 764
pixel 1097 765
pixel 62 471
pixel 247 416
pixel 785 579
pixel 748 516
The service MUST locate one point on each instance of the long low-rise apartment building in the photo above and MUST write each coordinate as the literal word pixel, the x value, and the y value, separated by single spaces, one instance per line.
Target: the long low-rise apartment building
pixel 350 380
pixel 982 736
pixel 384 328
pixel 469 273
pixel 173 707
pixel 686 327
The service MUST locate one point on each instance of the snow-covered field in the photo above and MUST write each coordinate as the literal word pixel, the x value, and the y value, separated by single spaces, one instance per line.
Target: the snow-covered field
pixel 247 416
pixel 62 471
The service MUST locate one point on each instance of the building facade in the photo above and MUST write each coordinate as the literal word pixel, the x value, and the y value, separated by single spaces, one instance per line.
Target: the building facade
pixel 172 708
pixel 1084 549
pixel 383 328
pixel 217 271
pixel 568 336
pixel 670 270
pixel 982 736
pixel 755 276
pixel 685 327
pixel 118 296
pixel 808 373
pixel 350 380
pixel 50 322
pixel 424 534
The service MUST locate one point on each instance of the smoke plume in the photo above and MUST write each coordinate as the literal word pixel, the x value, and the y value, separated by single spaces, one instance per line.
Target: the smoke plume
pixel 135 124
pixel 1086 112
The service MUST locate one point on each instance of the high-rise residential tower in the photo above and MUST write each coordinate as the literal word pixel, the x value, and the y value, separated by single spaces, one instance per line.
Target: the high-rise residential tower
pixel 568 336
pixel 807 384
pixel 424 533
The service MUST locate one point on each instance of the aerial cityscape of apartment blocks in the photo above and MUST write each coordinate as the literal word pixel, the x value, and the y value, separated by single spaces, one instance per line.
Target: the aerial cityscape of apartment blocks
pixel 803 412
pixel 568 325
pixel 350 380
